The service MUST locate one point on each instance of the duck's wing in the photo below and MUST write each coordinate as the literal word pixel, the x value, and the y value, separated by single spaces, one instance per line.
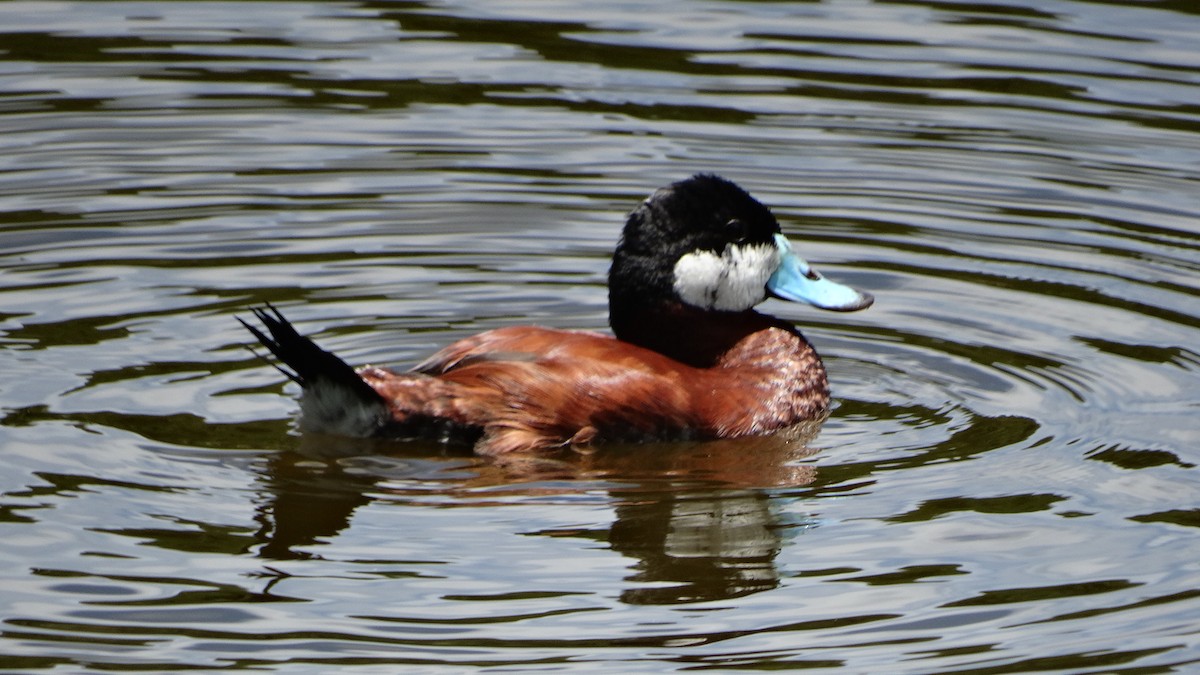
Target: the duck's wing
pixel 515 343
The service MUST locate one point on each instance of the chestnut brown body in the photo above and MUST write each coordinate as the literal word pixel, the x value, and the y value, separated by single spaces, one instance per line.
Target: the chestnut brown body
pixel 525 388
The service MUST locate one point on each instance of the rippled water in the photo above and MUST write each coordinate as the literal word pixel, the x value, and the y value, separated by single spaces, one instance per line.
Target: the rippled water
pixel 1008 484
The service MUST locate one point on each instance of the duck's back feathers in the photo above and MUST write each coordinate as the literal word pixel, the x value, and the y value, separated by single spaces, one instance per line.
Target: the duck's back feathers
pixel 528 388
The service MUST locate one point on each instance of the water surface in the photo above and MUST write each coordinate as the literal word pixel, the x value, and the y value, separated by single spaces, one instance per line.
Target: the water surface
pixel 1008 483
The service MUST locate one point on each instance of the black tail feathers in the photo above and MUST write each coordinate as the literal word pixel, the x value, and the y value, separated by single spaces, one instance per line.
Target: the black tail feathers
pixel 309 363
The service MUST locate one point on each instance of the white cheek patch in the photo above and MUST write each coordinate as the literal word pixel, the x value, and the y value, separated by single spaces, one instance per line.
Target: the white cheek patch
pixel 733 281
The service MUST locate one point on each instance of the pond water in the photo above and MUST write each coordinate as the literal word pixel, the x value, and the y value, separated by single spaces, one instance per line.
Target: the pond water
pixel 1008 483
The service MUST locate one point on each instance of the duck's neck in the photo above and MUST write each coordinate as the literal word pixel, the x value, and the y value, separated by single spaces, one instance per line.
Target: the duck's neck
pixel 705 338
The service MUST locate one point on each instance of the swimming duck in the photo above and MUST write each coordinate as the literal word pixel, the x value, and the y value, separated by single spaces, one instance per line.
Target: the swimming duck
pixel 689 357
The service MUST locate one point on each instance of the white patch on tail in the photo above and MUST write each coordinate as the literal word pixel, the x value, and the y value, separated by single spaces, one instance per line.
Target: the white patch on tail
pixel 331 409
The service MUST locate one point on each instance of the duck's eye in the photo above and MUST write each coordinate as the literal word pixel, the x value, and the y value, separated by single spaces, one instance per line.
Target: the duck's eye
pixel 736 230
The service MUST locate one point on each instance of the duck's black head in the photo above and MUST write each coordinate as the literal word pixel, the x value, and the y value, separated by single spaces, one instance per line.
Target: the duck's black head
pixel 705 244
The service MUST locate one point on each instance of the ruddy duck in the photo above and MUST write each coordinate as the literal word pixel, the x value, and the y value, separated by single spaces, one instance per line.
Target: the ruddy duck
pixel 689 358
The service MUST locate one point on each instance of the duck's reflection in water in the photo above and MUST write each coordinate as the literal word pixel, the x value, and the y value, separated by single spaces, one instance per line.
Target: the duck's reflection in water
pixel 696 518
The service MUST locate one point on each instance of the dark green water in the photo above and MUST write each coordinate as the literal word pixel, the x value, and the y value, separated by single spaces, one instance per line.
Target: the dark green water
pixel 1008 485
